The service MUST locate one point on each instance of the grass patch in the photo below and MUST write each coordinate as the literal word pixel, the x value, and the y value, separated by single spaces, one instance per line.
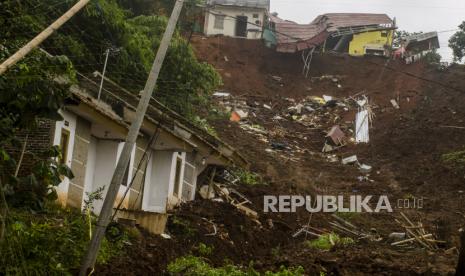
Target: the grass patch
pixel 196 266
pixel 328 241
pixel 454 160
pixel 49 243
pixel 181 227
pixel 204 249
pixel 248 178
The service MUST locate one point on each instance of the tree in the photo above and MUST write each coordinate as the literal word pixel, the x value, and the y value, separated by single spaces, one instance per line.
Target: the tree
pixel 457 43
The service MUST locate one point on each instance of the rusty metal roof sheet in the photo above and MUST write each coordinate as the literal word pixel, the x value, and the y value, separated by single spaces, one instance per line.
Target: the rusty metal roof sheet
pixel 242 3
pixel 292 37
pixel 334 21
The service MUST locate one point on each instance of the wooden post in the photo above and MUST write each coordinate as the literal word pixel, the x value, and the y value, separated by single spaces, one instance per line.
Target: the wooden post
pixel 123 162
pixel 42 36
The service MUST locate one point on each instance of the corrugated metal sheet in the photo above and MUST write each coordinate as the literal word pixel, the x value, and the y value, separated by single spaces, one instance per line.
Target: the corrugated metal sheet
pixel 242 3
pixel 292 37
pixel 362 121
pixel 334 21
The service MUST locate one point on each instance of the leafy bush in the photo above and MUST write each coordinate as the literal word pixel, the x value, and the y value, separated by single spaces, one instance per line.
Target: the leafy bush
pixel 248 178
pixel 457 43
pixel 454 160
pixel 327 241
pixel 50 243
pixel 195 266
pixel 204 249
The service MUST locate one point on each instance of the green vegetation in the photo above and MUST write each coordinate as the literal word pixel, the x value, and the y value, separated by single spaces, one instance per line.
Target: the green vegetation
pixel 191 265
pixel 181 226
pixel 457 43
pixel 35 88
pixel 49 243
pixel 328 241
pixel 454 160
pixel 248 178
pixel 205 250
pixel 134 38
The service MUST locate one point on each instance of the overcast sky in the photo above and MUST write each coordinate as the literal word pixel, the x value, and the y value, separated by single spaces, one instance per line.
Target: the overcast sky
pixel 411 15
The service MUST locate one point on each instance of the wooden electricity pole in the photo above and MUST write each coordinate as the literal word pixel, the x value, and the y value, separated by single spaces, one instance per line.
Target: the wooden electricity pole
pixel 21 53
pixel 123 162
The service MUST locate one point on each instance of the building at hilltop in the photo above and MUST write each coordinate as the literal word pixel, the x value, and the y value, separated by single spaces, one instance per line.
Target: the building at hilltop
pixel 355 33
pixel 236 18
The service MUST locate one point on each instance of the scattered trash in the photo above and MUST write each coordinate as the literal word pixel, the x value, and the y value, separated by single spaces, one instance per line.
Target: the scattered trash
pixel 332 158
pixel 226 58
pixel 395 104
pixel 267 106
pixel 350 160
pixel 327 98
pixel 362 127
pixel 397 236
pixel 279 146
pixel 416 234
pixel 166 236
pixel 238 115
pixel 337 136
pixel 204 192
pixel 221 94
pixel 365 168
pixel 277 78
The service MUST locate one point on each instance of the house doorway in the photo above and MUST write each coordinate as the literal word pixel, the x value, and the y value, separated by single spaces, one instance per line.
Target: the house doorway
pixel 241 26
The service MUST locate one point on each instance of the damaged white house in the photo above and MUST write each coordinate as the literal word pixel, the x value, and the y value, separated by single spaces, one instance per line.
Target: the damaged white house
pixel 169 156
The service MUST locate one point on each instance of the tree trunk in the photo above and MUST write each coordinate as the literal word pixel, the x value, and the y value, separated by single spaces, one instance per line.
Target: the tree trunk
pixel 461 265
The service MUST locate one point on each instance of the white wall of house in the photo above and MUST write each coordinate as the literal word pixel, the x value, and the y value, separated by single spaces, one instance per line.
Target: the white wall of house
pixel 222 20
pixel 65 127
pixel 90 168
pixel 160 193
pixel 106 157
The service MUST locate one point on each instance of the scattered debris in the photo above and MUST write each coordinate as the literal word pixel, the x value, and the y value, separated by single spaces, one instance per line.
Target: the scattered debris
pixel 337 136
pixel 221 95
pixel 350 160
pixel 204 192
pixel 365 168
pixel 395 104
pixel 166 236
pixel 416 233
pixel 238 115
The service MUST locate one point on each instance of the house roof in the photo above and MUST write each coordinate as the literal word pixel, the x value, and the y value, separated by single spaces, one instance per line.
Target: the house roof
pixel 334 21
pixel 292 37
pixel 265 4
pixel 118 98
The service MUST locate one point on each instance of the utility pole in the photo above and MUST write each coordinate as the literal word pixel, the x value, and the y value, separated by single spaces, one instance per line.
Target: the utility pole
pixel 107 53
pixel 42 36
pixel 123 162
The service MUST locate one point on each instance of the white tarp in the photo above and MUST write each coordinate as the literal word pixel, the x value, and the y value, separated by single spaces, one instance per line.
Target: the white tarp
pixel 362 127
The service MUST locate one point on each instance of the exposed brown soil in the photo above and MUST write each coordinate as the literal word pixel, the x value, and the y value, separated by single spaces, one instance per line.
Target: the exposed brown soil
pixel 405 150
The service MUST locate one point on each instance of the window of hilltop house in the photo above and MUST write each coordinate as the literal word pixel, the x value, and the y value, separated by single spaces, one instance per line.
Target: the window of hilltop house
pixel 255 15
pixel 177 179
pixel 219 22
pixel 384 34
pixel 64 144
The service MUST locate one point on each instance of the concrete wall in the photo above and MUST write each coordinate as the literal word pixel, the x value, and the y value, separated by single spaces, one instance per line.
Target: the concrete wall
pixel 360 41
pixel 69 124
pixel 230 21
pixel 159 181
pixel 79 163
